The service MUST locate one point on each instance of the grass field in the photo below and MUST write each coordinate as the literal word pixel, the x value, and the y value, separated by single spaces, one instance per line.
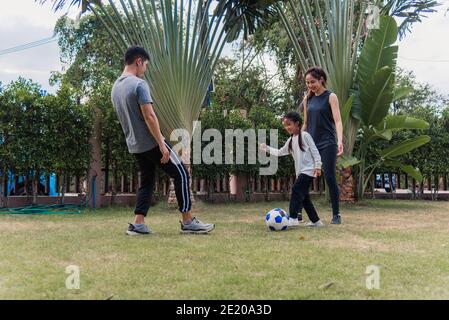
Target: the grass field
pixel 407 240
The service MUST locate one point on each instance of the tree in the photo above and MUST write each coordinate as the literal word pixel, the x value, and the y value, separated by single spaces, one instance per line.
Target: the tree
pixel 425 103
pixel 242 89
pixel 86 53
pixel 5 156
pixel 68 130
pixel 43 134
pixel 91 71
pixel 329 36
pixel 24 129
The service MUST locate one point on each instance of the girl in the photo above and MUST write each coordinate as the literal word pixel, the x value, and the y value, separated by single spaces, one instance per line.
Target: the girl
pixel 323 121
pixel 307 165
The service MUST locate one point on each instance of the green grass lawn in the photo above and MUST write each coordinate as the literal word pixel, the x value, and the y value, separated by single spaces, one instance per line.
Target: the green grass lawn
pixel 407 240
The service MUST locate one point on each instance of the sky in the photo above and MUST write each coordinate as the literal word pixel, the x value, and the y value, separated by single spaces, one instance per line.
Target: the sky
pixel 425 51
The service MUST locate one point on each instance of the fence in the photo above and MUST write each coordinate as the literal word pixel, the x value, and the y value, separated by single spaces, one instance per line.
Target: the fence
pixel 120 190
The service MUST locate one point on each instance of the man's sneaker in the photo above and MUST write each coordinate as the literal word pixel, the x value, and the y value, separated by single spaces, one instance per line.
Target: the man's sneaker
pixel 137 229
pixel 336 219
pixel 197 227
pixel 317 224
pixel 292 222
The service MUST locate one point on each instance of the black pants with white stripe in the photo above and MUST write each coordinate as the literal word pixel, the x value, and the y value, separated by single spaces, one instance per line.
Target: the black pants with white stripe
pixel 174 168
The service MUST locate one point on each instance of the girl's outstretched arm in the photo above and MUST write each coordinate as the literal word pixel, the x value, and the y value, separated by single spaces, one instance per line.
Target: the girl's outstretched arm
pixel 277 152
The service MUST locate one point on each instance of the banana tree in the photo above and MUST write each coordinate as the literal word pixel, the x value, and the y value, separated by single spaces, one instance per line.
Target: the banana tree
pixel 387 156
pixel 375 78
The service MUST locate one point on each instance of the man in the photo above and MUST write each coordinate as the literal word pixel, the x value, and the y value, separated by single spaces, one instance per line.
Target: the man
pixel 134 106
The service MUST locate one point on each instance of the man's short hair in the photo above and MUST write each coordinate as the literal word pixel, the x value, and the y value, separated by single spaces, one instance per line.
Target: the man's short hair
pixel 134 53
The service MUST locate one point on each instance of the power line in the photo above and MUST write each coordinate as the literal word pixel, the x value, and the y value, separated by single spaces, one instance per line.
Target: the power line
pixel 423 60
pixel 28 45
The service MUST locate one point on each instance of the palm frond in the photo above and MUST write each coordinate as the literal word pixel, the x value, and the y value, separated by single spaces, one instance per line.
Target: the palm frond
pixel 184 39
pixel 246 15
pixel 60 4
pixel 411 11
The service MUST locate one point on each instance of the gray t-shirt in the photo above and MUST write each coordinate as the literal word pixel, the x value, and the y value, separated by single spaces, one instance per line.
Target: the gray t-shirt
pixel 128 94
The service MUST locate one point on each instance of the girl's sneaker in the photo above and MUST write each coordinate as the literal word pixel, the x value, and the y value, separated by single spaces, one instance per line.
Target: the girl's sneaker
pixel 292 223
pixel 336 219
pixel 317 224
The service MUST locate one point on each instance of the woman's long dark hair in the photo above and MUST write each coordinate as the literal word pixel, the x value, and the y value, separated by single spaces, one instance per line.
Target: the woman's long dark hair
pixel 318 73
pixel 295 118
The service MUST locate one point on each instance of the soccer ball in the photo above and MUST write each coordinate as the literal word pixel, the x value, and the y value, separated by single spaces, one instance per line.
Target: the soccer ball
pixel 277 220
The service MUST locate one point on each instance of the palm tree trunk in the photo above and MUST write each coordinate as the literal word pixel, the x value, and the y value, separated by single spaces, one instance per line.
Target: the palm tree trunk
pixel 62 190
pixel 347 186
pixel 36 181
pixel 4 194
pixel 94 177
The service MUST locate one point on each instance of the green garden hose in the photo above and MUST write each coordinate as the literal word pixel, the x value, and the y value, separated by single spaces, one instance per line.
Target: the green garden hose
pixel 45 209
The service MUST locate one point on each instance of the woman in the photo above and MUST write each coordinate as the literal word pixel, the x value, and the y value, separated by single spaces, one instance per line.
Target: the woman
pixel 322 121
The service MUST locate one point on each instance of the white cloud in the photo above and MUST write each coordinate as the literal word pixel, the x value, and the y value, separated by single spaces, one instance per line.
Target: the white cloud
pixel 24 21
pixel 426 50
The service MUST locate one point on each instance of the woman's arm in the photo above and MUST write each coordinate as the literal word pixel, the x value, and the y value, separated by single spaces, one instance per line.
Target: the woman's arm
pixel 335 107
pixel 304 103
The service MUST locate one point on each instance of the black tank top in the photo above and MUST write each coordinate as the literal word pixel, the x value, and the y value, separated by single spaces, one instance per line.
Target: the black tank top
pixel 320 121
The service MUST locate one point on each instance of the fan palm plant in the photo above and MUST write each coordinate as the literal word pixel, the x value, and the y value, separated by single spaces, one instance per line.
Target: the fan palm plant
pixel 184 38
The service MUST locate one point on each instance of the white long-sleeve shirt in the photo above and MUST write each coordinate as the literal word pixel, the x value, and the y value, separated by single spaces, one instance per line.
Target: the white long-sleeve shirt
pixel 305 161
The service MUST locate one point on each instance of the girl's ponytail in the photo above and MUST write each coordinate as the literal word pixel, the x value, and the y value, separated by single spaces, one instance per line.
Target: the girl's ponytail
pixel 295 118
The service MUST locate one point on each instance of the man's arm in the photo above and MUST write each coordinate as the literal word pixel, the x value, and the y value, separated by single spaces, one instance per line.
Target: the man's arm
pixel 153 125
